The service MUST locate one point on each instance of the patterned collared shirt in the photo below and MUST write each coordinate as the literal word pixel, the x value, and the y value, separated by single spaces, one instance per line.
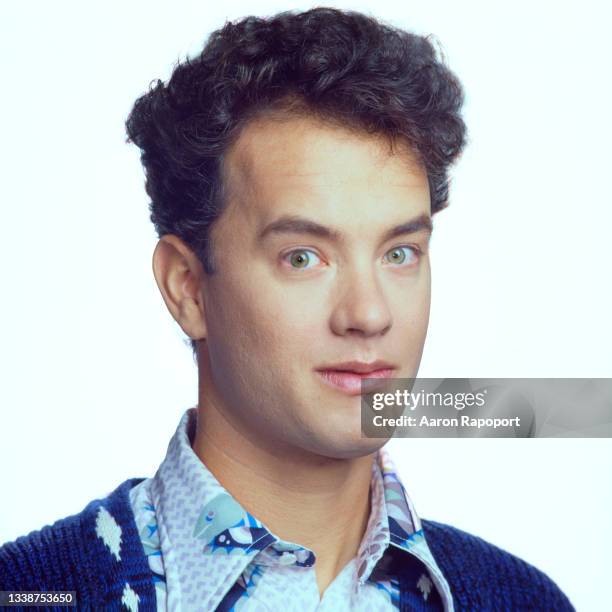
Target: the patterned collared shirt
pixel 208 553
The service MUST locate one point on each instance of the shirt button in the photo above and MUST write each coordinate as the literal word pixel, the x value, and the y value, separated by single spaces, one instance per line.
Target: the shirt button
pixel 284 547
pixel 287 558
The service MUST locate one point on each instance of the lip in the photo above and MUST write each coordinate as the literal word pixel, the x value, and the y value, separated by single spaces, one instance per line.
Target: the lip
pixel 348 376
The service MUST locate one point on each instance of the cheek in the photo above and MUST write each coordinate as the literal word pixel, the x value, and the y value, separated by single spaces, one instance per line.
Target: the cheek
pixel 412 310
pixel 420 309
pixel 256 320
pixel 241 342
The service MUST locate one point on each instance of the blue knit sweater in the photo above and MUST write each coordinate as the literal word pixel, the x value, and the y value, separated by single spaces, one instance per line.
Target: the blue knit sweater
pixel 70 555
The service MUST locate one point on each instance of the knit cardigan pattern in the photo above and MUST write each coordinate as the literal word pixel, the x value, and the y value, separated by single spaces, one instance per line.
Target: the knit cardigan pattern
pixel 98 554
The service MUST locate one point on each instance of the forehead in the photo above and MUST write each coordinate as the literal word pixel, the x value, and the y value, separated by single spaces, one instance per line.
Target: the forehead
pixel 301 163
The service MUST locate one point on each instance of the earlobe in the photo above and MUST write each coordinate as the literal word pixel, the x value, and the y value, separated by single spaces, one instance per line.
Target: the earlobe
pixel 179 275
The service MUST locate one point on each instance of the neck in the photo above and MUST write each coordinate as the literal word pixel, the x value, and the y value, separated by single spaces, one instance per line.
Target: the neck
pixel 318 502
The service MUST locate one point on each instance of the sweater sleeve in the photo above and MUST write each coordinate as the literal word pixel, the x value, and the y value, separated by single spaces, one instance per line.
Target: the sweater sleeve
pixel 484 577
pixel 96 553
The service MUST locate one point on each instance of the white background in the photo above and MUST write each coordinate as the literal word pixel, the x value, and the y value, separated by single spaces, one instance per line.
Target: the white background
pixel 94 372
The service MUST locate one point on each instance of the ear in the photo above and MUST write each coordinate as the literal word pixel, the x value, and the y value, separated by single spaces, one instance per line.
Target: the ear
pixel 179 275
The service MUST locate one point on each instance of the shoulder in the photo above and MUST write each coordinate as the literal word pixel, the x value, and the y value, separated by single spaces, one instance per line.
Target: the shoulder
pixel 96 553
pixel 483 576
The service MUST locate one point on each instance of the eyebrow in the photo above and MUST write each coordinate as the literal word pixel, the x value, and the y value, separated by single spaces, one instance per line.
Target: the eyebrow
pixel 294 224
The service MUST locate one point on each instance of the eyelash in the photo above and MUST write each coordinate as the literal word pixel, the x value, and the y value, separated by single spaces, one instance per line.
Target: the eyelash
pixel 415 249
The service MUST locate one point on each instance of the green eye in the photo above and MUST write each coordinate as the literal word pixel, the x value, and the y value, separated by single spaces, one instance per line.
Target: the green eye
pixel 300 258
pixel 399 256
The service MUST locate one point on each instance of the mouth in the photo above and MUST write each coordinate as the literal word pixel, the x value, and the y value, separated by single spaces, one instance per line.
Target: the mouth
pixel 353 382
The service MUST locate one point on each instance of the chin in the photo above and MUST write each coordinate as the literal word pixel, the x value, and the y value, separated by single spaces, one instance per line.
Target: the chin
pixel 348 448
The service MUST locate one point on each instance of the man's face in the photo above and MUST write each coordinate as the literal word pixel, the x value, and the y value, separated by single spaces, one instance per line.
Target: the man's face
pixel 287 300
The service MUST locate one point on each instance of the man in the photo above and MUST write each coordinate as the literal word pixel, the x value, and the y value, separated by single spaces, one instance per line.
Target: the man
pixel 293 169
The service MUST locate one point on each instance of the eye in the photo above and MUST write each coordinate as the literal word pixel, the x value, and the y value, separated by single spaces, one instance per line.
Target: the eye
pixel 401 255
pixel 300 258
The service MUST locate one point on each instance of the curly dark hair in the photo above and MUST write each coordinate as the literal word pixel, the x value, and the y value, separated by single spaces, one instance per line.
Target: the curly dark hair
pixel 341 67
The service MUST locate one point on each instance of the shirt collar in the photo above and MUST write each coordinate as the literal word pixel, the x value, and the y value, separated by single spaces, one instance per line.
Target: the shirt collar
pixel 208 538
pixel 399 517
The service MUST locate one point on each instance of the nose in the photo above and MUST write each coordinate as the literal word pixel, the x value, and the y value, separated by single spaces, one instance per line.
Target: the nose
pixel 362 308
